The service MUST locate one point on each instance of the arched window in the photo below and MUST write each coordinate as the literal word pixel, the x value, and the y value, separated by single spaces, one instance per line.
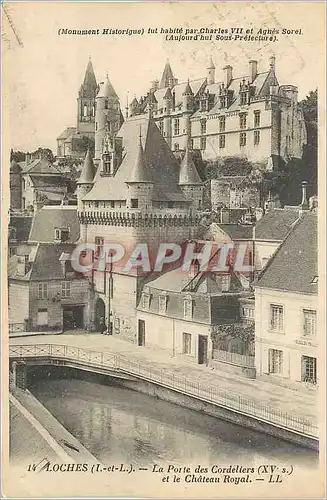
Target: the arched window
pixel 85 110
pixel 93 110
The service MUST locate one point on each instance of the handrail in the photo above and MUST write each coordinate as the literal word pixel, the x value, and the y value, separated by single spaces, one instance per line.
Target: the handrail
pixel 180 383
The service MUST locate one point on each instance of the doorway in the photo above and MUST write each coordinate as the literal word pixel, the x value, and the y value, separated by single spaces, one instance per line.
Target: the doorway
pixel 73 317
pixel 100 314
pixel 141 332
pixel 202 350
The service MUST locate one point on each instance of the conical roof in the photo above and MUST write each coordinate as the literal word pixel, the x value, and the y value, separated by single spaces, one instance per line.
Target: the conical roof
pixel 106 89
pixel 168 94
pixel 89 85
pixel 140 171
pixel 188 90
pixel 167 76
pixel 88 170
pixel 188 173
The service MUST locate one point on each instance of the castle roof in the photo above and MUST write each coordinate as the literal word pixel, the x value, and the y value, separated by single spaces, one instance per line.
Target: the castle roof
pixel 88 170
pixel 168 94
pixel 167 76
pixel 298 254
pixel 89 85
pixel 106 89
pixel 188 173
pixel 188 90
pixel 67 133
pixel 41 166
pixel 48 218
pixel 140 172
pixel 157 155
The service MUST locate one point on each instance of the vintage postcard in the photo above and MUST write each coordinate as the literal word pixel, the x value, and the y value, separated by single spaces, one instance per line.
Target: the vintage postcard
pixel 163 249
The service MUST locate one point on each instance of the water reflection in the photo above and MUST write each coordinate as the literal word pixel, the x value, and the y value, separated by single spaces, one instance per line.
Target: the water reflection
pixel 122 426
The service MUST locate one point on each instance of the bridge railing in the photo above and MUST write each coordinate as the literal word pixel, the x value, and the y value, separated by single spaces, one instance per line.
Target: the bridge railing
pixel 171 380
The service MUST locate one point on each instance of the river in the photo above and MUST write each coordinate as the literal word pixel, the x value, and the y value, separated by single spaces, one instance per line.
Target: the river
pixel 118 425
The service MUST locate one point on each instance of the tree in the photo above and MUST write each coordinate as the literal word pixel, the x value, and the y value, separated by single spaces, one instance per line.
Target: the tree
pixel 17 156
pixel 45 153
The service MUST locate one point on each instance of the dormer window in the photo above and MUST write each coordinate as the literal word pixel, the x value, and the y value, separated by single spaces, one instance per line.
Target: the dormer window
pixel 163 299
pixel 146 298
pixel 243 98
pixel 62 234
pixel 225 283
pixel 223 101
pixel 188 307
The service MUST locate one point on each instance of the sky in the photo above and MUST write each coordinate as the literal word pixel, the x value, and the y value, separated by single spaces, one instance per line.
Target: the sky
pixel 43 70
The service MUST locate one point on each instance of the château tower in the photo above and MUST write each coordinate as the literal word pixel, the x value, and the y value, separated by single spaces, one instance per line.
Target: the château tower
pixel 108 116
pixel 86 103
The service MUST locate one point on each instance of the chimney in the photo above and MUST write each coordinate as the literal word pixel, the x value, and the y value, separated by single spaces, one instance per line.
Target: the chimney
pixel 273 63
pixel 228 74
pixel 253 70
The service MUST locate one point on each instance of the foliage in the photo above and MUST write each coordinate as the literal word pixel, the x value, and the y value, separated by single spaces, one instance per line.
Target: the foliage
pixel 229 166
pixel 17 156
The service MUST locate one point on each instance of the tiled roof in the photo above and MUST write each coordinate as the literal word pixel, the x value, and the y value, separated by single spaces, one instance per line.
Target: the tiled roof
pixel 67 133
pixel 276 224
pixel 237 231
pixel 161 162
pixel 140 172
pixel 188 172
pixel 294 266
pixel 41 166
pixel 88 170
pixel 89 86
pixel 167 76
pixel 178 90
pixel 106 89
pixel 49 181
pixel 22 225
pixel 48 218
pixel 46 263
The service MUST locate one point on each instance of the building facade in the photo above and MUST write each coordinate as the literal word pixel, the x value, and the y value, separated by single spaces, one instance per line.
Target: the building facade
pixel 286 304
pixel 250 116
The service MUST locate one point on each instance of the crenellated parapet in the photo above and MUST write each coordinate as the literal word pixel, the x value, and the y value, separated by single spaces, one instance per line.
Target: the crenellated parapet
pixel 128 219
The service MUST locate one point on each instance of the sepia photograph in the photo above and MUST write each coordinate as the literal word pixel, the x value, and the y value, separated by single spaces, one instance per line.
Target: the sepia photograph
pixel 163 226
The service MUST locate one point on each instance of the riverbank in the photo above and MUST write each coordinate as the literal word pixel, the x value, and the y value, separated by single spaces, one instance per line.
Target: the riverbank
pixel 37 437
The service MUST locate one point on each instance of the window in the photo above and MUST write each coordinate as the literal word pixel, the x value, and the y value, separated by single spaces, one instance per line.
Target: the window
pixel 188 308
pixel 203 143
pixel 247 312
pixel 99 242
pixel 57 234
pixel 134 203
pixel 222 141
pixel 276 318
pixel 160 126
pixel 191 144
pixel 203 124
pixel 256 137
pixel 42 292
pixel 106 104
pixel 187 343
pixel 310 322
pixel 93 110
pixel 146 299
pixel 243 98
pixel 85 110
pixel 176 146
pixel 222 124
pixel 203 105
pixel 163 303
pixel 275 361
pixel 242 139
pixel 42 317
pixel 223 102
pixel 309 369
pixel 225 283
pixel 243 120
pixel 176 127
pixel 314 280
pixel 65 289
pixel 257 118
